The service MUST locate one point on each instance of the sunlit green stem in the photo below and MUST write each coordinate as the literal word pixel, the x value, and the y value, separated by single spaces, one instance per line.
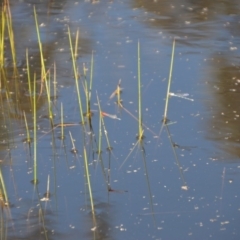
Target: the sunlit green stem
pixel 140 129
pixel 47 84
pixel 91 77
pixel 88 179
pixel 75 70
pixel 27 130
pixel 35 131
pixel 29 77
pixel 3 187
pixel 40 46
pixel 169 84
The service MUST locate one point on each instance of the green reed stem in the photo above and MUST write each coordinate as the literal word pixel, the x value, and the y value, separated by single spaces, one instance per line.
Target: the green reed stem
pixel 27 130
pixel 29 77
pixel 76 76
pixel 100 127
pixel 88 179
pixel 11 34
pixel 104 128
pixel 55 81
pixel 35 181
pixel 169 84
pixel 47 85
pixel 40 46
pixel 2 39
pixel 62 129
pixel 140 129
pixel 91 76
pixel 3 187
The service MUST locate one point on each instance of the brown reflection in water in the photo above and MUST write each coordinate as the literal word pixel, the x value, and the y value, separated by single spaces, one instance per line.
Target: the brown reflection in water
pixel 224 124
pixel 190 20
pixel 15 97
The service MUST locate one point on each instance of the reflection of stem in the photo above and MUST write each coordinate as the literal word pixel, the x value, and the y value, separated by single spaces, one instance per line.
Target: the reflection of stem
pixel 147 178
pixel 109 170
pixel 145 126
pixel 223 178
pixel 176 158
pixel 41 215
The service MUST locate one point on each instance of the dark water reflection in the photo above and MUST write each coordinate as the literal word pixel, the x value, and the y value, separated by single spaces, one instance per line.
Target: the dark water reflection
pixel 206 66
pixel 214 28
pixel 192 21
pixel 225 105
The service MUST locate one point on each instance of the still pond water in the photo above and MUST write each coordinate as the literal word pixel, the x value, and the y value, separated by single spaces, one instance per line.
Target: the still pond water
pixel 150 199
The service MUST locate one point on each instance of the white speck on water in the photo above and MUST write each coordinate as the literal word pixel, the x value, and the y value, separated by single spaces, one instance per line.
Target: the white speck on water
pixel 213 220
pixel 224 223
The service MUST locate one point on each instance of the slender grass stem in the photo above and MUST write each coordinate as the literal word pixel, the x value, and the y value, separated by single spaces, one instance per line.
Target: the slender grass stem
pixel 100 129
pixel 75 70
pixel 169 84
pixel 88 179
pixel 140 128
pixel 5 198
pixel 35 180
pixel 91 76
pixel 62 126
pixel 40 46
pixel 29 77
pixel 47 84
pixel 54 81
pixel 27 130
pixel 2 38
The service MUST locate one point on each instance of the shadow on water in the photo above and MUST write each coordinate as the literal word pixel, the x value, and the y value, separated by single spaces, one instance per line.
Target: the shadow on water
pixel 224 106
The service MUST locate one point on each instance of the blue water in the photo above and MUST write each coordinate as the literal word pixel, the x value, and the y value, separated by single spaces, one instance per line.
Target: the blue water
pixel 147 203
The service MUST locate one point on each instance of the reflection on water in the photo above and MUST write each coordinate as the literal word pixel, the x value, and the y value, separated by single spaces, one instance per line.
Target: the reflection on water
pixel 194 22
pixel 207 35
pixel 207 21
pixel 225 104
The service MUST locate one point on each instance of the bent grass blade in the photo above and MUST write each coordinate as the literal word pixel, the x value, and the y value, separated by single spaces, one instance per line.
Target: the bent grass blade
pixel 113 116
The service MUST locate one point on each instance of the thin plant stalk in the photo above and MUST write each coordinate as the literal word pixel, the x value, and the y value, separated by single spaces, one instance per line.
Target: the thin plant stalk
pixel 140 129
pixel 2 39
pixel 91 77
pixel 28 139
pixel 88 180
pixel 29 78
pixel 49 99
pixel 100 128
pixel 75 70
pixel 35 180
pixel 104 128
pixel 40 46
pixel 5 195
pixel 62 126
pixel 54 81
pixel 11 34
pixel 169 84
